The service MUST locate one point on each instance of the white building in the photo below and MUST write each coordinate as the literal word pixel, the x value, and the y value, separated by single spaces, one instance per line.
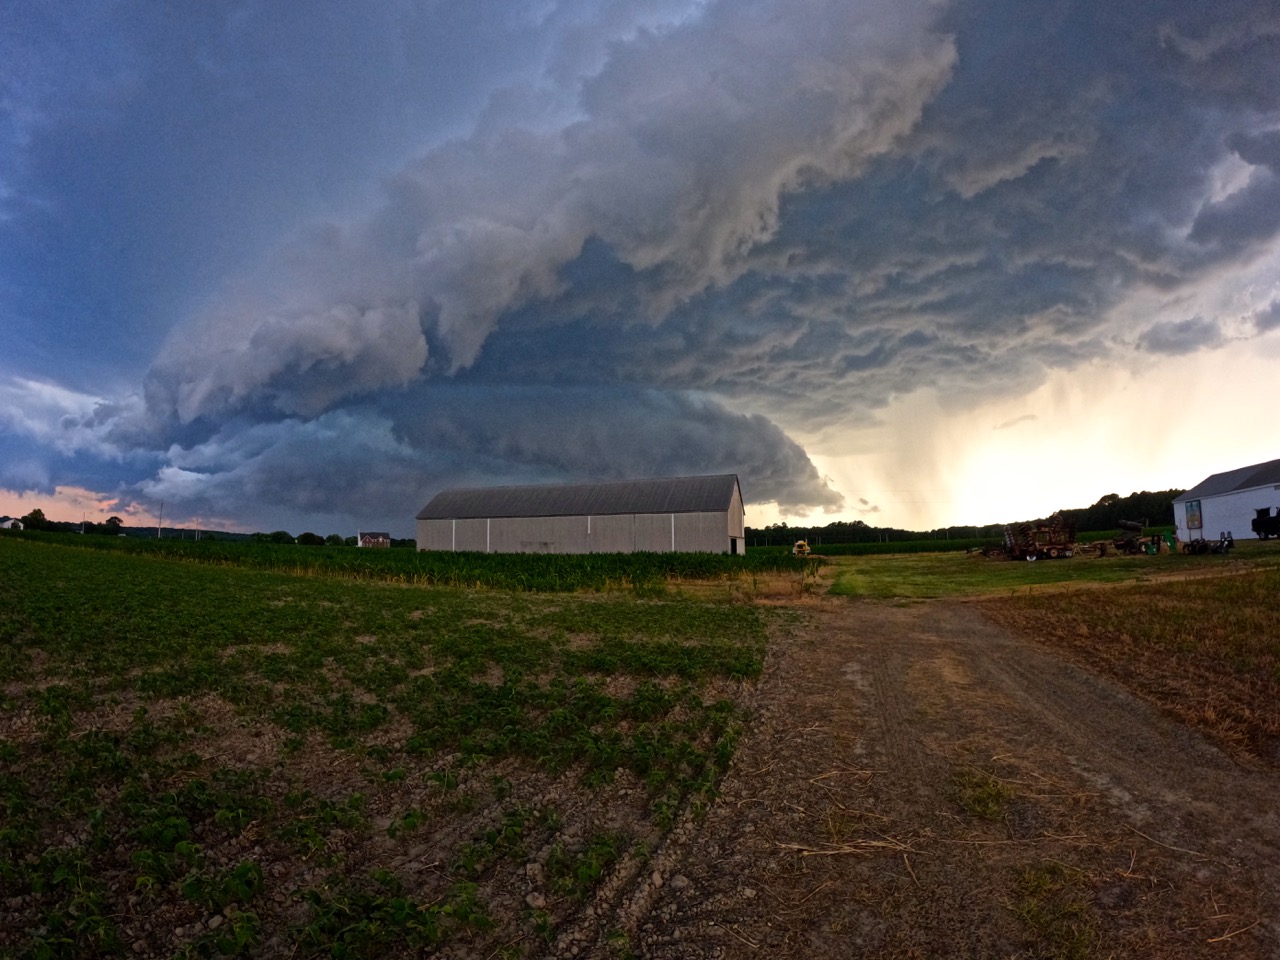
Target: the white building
pixel 671 514
pixel 1228 502
pixel 10 523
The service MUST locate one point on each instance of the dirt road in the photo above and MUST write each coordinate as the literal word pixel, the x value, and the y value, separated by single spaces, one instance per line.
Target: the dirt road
pixel 919 782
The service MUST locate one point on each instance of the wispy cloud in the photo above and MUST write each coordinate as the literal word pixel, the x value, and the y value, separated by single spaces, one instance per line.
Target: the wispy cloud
pixel 1010 424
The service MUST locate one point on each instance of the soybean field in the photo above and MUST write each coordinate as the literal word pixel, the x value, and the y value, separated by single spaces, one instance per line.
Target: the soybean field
pixel 207 760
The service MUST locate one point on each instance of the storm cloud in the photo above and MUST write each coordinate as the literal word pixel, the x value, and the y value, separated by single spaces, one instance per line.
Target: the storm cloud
pixel 588 239
pixel 379 464
pixel 688 140
pixel 1183 336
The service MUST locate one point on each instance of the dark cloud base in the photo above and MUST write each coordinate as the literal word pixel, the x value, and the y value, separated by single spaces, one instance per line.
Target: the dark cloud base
pixel 380 463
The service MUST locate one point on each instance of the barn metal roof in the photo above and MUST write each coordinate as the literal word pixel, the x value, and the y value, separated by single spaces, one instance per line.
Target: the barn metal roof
pixel 664 495
pixel 1246 478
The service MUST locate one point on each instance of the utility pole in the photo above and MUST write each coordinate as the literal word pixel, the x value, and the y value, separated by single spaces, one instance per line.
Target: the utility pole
pixel 160 522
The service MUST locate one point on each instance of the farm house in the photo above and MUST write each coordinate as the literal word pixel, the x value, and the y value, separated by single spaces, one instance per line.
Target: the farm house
pixel 681 514
pixel 1228 501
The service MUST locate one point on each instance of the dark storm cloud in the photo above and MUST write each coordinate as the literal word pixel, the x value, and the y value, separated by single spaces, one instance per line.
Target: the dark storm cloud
pixel 1179 337
pixel 686 142
pixel 1267 318
pixel 1251 215
pixel 806 208
pixel 388 460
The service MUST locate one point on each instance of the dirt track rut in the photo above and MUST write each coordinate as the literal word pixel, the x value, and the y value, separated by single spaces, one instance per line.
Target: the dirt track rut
pixel 852 821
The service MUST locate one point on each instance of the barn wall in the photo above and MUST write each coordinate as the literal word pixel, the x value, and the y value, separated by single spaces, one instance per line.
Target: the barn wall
pixel 694 532
pixel 1229 511
pixel 653 532
pixel 737 516
pixel 702 532
pixel 613 534
pixel 539 535
pixel 435 535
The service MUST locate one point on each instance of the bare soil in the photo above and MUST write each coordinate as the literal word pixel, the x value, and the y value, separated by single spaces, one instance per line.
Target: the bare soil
pixel 920 782
pixel 916 781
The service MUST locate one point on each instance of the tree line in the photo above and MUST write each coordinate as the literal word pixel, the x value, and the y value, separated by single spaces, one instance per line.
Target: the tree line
pixel 1153 508
pixel 115 527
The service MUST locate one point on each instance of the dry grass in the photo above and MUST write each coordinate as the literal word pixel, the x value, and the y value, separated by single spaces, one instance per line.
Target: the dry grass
pixel 1207 651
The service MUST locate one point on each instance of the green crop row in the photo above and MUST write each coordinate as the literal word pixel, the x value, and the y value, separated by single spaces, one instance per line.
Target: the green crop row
pixel 527 572
pixel 135 687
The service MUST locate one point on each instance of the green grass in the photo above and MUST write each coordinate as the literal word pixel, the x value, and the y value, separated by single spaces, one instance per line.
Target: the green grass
pixel 980 794
pixel 645 572
pixel 1053 906
pixel 925 575
pixel 122 670
pixel 930 545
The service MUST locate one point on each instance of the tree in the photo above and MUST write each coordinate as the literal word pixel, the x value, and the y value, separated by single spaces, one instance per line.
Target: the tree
pixel 310 539
pixel 333 540
pixel 280 536
pixel 111 526
pixel 35 520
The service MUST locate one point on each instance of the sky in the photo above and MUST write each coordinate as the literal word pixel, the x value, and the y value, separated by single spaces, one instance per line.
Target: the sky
pixel 287 265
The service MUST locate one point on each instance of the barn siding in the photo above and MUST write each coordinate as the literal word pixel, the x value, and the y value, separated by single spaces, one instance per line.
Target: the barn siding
pixel 613 534
pixel 695 514
pixel 737 516
pixel 623 533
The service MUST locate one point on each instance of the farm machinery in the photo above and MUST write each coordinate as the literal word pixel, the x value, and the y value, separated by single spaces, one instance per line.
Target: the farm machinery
pixel 1223 544
pixel 1052 539
pixel 801 548
pixel 1133 540
pixel 1265 524
pixel 1130 539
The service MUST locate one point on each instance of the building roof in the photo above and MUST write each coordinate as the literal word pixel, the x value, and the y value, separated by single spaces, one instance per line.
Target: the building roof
pixel 374 534
pixel 1246 478
pixel 664 495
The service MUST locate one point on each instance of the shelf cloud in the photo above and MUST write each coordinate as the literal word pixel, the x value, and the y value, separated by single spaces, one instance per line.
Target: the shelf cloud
pixel 320 264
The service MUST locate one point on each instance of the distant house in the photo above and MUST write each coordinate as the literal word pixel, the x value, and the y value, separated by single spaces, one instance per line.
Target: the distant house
pixel 374 539
pixel 1228 501
pixel 671 514
pixel 10 523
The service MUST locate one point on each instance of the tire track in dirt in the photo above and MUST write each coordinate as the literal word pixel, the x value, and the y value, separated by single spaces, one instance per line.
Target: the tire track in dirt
pixel 1167 778
pixel 837 832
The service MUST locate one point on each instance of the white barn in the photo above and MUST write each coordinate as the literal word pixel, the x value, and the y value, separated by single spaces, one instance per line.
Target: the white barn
pixel 1228 502
pixel 680 514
